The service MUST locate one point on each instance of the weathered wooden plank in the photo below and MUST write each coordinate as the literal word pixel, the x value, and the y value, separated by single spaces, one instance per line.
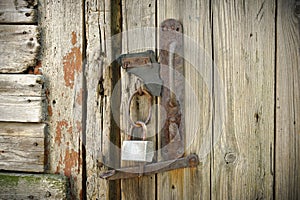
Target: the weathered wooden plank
pixel 21 85
pixel 19 47
pixel 195 18
pixel 19 11
pixel 21 108
pixel 22 98
pixel 137 17
pixel 287 180
pixel 100 145
pixel 29 186
pixel 244 52
pixel 61 60
pixel 22 147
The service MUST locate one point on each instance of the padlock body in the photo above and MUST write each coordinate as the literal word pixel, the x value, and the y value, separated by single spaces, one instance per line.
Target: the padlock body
pixel 133 150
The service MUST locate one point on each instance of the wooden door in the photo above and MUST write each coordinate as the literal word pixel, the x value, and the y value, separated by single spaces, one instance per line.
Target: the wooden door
pixel 241 109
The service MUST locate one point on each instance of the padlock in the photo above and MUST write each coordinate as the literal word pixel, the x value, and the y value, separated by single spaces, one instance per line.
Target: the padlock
pixel 137 150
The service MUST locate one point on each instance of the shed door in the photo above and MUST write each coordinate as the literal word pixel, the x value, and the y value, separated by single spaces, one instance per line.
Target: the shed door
pixel 247 68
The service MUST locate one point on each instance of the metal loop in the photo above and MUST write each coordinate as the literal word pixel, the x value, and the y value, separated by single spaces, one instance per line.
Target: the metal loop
pixel 139 124
pixel 150 108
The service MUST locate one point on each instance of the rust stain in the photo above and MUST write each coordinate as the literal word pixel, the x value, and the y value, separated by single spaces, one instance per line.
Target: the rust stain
pixel 79 97
pixel 74 38
pixel 70 161
pixel 59 126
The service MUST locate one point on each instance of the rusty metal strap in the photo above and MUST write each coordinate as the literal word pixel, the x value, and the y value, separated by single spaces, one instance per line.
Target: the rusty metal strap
pixel 154 168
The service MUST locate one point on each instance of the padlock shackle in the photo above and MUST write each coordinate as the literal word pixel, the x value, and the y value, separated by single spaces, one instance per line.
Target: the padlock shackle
pixel 139 124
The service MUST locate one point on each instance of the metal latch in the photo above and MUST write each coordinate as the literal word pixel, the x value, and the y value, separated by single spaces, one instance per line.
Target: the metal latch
pixel 145 66
pixel 164 79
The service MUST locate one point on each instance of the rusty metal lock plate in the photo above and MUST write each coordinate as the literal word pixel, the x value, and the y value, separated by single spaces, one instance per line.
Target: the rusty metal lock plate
pixel 145 66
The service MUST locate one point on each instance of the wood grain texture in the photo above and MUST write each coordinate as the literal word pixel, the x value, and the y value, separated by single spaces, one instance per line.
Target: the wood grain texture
pixel 22 147
pixel 29 186
pixel 19 47
pixel 244 52
pixel 21 85
pixel 137 16
pixel 287 180
pixel 22 98
pixel 61 56
pixel 20 11
pixel 195 18
pixel 99 97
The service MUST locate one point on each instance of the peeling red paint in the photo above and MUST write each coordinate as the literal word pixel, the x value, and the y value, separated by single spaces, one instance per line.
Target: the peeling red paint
pixel 74 38
pixel 59 126
pixel 70 130
pixel 79 97
pixel 72 63
pixel 49 109
pixel 36 69
pixel 70 161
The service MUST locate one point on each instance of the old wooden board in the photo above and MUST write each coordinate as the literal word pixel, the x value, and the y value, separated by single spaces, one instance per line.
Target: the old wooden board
pixel 195 18
pixel 102 136
pixel 61 55
pixel 19 11
pixel 137 17
pixel 19 47
pixel 21 85
pixel 22 147
pixel 29 186
pixel 22 98
pixel 244 52
pixel 287 180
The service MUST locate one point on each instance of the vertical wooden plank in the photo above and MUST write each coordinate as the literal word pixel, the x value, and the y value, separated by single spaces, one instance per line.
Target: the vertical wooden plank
pixel 61 55
pixel 287 180
pixel 102 150
pixel 97 29
pixel 195 18
pixel 244 54
pixel 136 16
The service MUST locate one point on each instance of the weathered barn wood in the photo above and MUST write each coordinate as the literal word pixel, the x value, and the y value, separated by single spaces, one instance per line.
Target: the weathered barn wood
pixel 62 59
pixel 19 47
pixel 137 17
pixel 28 186
pixel 22 147
pixel 21 85
pixel 99 82
pixel 191 183
pixel 21 98
pixel 19 11
pixel 244 52
pixel 287 165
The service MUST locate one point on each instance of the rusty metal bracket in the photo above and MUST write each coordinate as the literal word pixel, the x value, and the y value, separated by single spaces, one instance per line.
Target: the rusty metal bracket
pixel 145 66
pixel 171 60
pixel 153 168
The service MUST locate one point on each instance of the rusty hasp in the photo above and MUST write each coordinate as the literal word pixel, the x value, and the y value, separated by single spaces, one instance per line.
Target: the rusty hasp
pixel 171 72
pixel 153 168
pixel 145 66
